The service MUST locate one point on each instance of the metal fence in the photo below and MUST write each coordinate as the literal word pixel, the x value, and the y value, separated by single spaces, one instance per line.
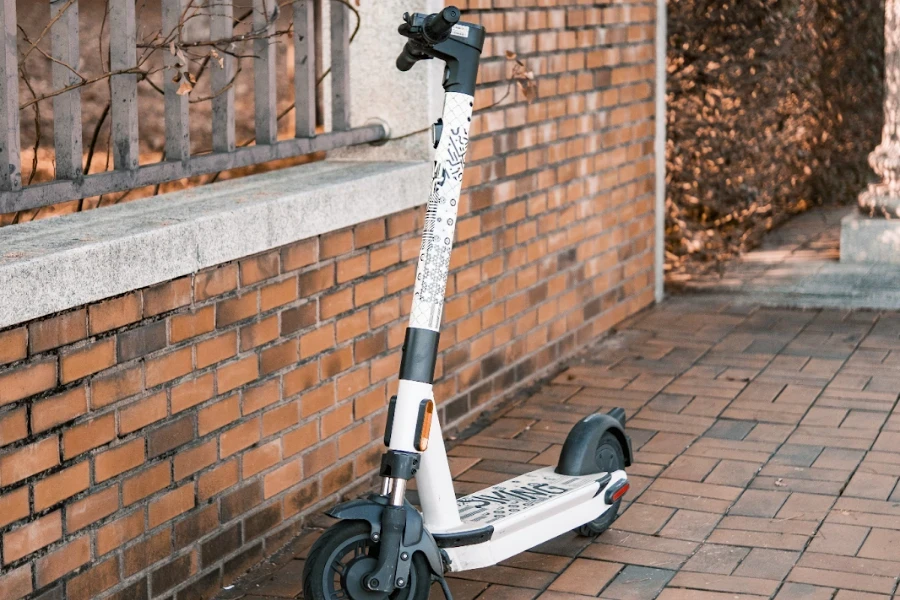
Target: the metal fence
pixel 71 184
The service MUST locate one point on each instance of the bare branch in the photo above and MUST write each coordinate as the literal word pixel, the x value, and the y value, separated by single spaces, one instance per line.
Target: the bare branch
pixel 49 57
pixel 44 31
pixel 224 89
pixel 221 43
pixel 95 137
pixel 37 125
pixel 132 70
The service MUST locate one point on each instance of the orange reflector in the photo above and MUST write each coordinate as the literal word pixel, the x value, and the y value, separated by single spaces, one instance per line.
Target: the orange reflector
pixel 426 413
pixel 616 495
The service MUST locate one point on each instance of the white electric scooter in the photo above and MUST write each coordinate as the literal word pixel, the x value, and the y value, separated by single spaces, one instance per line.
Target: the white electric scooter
pixel 383 548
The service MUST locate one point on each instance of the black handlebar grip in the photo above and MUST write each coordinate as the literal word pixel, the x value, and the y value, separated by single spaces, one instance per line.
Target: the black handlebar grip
pixel 438 26
pixel 407 58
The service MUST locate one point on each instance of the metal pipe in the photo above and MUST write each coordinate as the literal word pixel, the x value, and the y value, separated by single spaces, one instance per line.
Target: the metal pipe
pixel 398 492
pixel 659 149
pixel 386 486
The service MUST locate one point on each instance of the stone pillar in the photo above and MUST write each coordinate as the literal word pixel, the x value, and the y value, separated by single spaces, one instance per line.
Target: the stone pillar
pixel 882 199
pixel 871 235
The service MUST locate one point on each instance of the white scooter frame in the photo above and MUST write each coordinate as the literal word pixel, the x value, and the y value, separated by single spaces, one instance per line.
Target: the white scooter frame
pixel 583 492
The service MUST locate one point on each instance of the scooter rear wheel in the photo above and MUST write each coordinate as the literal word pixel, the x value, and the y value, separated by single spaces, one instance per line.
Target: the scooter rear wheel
pixel 610 457
pixel 343 556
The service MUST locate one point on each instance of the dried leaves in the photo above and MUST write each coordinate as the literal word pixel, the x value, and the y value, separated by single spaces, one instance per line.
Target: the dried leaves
pixel 522 76
pixel 772 106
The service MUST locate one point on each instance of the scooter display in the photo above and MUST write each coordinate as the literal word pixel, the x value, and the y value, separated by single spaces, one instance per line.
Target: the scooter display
pixel 383 547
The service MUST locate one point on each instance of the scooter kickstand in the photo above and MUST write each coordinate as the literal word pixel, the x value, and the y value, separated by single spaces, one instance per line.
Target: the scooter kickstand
pixel 445 588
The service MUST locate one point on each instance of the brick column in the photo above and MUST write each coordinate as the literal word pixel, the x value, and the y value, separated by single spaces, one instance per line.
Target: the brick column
pixel 883 198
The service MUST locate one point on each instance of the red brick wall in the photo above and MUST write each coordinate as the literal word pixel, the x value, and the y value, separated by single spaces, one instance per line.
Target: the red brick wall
pixel 160 443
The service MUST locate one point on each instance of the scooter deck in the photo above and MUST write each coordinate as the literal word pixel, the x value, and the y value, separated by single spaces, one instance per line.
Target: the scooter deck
pixel 523 492
pixel 522 512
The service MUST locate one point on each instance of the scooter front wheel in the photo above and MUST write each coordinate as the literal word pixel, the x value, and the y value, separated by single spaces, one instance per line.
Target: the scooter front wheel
pixel 339 561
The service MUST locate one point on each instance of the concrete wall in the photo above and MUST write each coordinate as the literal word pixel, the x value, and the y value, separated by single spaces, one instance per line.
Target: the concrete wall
pixel 160 442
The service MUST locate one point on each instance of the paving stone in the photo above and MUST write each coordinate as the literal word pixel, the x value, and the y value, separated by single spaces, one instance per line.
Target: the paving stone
pixel 733 472
pixel 762 525
pixel 642 518
pixel 869 485
pixel 669 402
pixel 625 539
pixel 585 577
pixel 699 503
pixel 669 443
pixel 770 432
pixel 849 564
pixel 852 581
pixel 883 544
pixel 506 592
pixel 460 588
pixel 757 503
pixel 801 591
pixel 728 429
pixel 568 544
pixel 851 595
pixel 762 563
pixel 509 576
pixel 537 561
pixel 553 595
pixel 724 583
pixel 712 558
pixel 690 468
pixel 806 507
pixel 690 525
pixel 783 541
pixel 286 582
pixel 824 417
pixel 838 458
pixel 682 594
pixel 634 556
pixel 637 583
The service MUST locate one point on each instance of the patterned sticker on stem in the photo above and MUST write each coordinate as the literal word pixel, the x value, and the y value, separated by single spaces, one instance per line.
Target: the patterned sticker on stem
pixel 440 214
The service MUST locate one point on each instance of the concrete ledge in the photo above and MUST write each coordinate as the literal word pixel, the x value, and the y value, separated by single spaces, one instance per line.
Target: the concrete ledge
pixel 870 241
pixel 55 264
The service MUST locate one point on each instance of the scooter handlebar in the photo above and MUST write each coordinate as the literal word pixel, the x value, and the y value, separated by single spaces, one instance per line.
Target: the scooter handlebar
pixel 408 57
pixel 425 32
pixel 439 25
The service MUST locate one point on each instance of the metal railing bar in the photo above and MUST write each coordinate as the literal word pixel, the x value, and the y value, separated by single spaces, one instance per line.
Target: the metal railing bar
pixel 304 68
pixel 340 66
pixel 10 157
pixel 178 137
pixel 66 106
pixel 51 192
pixel 123 99
pixel 221 26
pixel 265 109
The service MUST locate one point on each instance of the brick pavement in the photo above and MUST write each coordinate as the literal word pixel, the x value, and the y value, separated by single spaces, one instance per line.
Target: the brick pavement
pixel 767 462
